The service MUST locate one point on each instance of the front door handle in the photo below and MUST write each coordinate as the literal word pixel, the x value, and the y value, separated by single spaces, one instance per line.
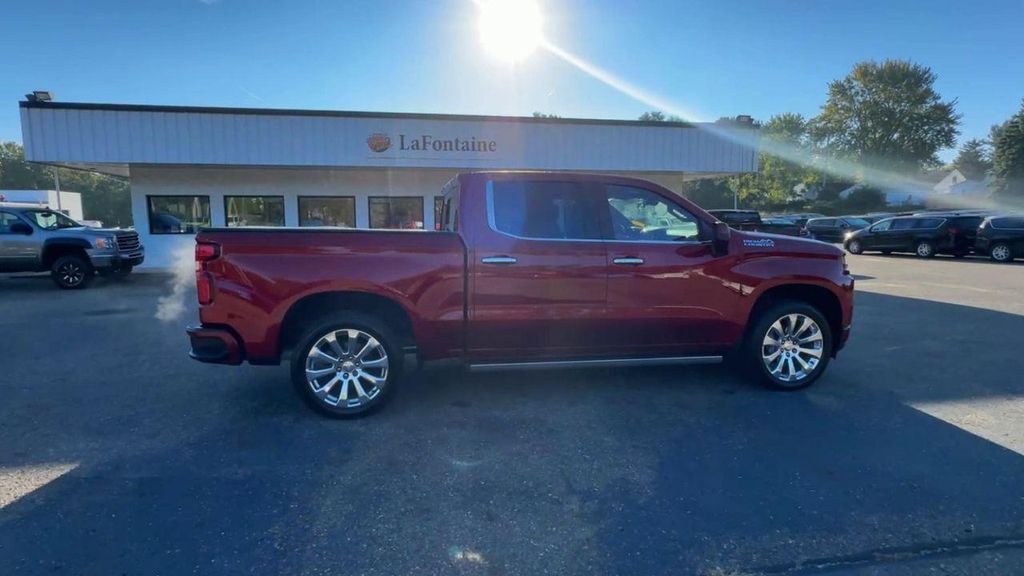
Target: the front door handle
pixel 630 261
pixel 499 260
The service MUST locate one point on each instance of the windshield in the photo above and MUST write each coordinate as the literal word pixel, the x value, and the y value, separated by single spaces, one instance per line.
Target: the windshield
pixel 49 220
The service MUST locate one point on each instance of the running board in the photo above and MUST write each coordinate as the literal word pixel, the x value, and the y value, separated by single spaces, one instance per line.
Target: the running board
pixel 605 363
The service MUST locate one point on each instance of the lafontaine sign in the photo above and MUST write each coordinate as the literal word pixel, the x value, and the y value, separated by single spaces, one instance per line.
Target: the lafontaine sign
pixel 380 142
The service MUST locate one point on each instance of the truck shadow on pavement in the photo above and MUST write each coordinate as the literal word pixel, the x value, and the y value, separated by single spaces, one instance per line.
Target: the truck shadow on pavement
pixel 182 467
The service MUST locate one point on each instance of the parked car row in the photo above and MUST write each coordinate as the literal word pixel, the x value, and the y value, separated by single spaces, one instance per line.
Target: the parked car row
pixel 1001 237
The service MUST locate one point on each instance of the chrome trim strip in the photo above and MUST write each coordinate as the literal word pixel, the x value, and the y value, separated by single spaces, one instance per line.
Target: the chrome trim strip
pixel 604 363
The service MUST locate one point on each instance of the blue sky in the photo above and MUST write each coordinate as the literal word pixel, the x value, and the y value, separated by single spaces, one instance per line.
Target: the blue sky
pixel 715 58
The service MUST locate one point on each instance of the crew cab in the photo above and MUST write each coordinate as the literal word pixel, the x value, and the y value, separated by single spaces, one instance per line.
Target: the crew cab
pixel 40 240
pixel 529 270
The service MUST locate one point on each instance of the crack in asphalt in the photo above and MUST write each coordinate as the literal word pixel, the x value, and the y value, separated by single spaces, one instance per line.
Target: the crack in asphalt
pixel 892 555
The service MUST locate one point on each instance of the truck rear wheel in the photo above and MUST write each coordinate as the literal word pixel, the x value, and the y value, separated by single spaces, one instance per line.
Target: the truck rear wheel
pixel 789 346
pixel 346 365
pixel 71 272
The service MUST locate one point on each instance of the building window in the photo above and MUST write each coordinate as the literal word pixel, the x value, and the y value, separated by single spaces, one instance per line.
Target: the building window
pixel 254 210
pixel 327 211
pixel 404 212
pixel 178 214
pixel 438 212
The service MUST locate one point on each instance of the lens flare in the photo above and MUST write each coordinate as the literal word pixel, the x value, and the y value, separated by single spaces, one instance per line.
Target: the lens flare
pixel 510 29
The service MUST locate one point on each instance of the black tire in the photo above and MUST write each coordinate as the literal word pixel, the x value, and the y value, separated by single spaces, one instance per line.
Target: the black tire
pixel 855 247
pixel 753 349
pixel 339 321
pixel 72 272
pixel 1001 252
pixel 924 249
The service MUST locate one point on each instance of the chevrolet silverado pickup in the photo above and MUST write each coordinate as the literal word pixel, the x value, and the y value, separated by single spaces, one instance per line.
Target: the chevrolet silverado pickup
pixel 528 270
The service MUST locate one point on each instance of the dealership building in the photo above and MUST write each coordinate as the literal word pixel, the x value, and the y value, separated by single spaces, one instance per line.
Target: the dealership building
pixel 193 167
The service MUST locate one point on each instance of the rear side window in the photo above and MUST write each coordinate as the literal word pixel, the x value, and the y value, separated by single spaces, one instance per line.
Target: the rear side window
pixel 543 210
pixel 1013 222
pixel 6 219
pixel 823 223
pixel 967 223
pixel 928 223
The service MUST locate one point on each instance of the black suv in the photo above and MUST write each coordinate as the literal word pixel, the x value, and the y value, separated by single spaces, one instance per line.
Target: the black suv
pixel 924 235
pixel 1001 237
pixel 834 229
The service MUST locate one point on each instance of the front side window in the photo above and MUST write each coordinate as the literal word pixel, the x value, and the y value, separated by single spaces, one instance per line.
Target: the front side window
pixel 882 226
pixel 1008 223
pixel 903 224
pixel 642 215
pixel 543 210
pixel 254 211
pixel 178 214
pixel 50 220
pixel 327 211
pixel 396 212
pixel 825 223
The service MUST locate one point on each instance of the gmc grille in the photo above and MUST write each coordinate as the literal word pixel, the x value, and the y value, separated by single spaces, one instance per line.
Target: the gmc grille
pixel 128 242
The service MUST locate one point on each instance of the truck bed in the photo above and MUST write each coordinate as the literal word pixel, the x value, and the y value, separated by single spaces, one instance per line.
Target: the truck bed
pixel 262 272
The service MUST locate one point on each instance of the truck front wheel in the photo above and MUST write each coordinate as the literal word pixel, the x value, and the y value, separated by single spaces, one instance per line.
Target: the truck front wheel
pixel 789 346
pixel 71 272
pixel 346 365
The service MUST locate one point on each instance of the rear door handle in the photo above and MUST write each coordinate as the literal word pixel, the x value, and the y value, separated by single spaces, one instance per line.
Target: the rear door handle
pixel 499 260
pixel 630 261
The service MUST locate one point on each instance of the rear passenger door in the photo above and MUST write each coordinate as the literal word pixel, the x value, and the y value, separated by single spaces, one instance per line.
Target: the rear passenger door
pixel 903 234
pixel 538 271
pixel 824 229
pixel 18 252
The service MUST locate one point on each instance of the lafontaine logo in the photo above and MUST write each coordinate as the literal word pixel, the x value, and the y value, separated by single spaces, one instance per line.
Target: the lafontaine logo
pixel 378 142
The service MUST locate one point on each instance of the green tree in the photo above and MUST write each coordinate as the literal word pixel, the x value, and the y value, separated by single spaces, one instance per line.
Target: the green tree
pixel 863 199
pixel 888 116
pixel 973 160
pixel 709 193
pixel 658 116
pixel 104 198
pixel 1008 156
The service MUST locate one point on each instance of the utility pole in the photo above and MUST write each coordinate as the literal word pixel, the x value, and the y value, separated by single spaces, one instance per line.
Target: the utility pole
pixel 56 183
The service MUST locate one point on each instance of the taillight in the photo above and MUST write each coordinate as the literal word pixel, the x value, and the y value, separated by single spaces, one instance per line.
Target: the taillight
pixel 205 252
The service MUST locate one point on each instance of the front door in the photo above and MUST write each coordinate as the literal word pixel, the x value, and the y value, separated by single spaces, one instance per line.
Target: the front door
pixel 664 297
pixel 538 271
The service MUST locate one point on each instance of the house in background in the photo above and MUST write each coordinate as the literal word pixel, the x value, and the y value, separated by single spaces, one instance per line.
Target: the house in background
pixel 70 202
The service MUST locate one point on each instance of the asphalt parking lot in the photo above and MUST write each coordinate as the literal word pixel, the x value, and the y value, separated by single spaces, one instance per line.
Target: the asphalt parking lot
pixel 119 455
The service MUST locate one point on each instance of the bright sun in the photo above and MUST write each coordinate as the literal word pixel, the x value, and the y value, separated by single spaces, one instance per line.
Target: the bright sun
pixel 510 29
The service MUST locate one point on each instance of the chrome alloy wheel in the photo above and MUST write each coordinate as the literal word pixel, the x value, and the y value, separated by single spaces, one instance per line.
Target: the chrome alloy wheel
pixel 792 347
pixel 347 368
pixel 71 273
pixel 924 250
pixel 1001 253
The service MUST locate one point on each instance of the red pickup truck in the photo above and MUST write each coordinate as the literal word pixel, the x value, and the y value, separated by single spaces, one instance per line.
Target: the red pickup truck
pixel 528 270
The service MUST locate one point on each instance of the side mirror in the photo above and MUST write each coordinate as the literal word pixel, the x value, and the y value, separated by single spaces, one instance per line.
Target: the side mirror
pixel 20 228
pixel 721 235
